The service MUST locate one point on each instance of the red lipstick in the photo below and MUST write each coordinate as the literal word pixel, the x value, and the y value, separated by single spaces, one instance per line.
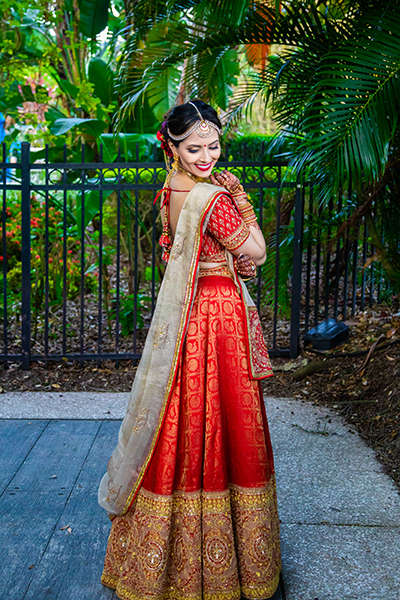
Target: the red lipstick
pixel 204 167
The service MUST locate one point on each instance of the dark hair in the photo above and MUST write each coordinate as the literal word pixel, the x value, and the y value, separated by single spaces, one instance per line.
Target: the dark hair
pixel 181 117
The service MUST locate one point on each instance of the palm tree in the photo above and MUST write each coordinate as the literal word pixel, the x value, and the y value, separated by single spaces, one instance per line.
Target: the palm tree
pixel 333 85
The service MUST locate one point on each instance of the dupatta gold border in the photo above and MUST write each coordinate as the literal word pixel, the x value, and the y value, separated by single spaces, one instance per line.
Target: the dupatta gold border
pixel 188 302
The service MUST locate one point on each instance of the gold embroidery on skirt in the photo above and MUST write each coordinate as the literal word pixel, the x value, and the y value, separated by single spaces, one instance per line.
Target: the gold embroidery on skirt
pixel 196 546
pixel 223 271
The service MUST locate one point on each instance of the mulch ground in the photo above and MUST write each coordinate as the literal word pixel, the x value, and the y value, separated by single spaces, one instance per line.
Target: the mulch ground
pixel 360 380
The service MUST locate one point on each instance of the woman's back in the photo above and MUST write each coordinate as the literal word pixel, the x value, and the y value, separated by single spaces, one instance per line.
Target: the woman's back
pixel 180 185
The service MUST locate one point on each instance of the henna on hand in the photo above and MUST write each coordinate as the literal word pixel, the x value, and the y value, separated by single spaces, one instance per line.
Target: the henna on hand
pixel 245 266
pixel 227 180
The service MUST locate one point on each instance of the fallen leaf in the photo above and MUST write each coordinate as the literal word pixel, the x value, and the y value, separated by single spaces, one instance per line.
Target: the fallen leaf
pixel 55 385
pixel 31 567
pixel 391 358
pixel 391 333
pixel 69 530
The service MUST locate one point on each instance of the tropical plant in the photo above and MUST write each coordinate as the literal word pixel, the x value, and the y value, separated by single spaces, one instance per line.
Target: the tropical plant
pixel 332 81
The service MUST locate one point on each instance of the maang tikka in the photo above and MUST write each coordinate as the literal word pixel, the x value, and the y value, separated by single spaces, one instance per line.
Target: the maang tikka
pixel 204 128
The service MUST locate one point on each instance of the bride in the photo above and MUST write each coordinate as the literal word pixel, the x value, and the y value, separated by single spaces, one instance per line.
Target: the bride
pixel 190 487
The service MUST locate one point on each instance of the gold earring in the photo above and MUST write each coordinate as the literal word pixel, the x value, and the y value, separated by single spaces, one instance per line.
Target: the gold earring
pixel 175 164
pixel 172 169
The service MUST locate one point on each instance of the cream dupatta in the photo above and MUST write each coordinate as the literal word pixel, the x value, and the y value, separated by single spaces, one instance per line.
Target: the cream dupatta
pixel 157 369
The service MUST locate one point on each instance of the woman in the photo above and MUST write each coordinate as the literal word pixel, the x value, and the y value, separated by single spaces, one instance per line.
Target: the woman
pixel 190 487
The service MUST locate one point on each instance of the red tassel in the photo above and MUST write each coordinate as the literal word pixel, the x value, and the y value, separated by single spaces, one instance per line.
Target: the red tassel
pixel 165 240
pixel 167 196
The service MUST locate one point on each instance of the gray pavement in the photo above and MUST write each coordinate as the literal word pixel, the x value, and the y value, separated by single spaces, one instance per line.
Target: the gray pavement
pixel 340 513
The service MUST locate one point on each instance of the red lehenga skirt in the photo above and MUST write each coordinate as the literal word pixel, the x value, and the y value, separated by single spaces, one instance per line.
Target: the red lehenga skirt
pixel 204 525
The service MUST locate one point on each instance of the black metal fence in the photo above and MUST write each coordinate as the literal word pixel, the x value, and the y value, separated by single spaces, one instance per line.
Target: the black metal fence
pixel 81 266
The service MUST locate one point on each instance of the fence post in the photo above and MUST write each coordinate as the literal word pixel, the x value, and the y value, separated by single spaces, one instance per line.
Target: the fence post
pixel 296 279
pixel 26 255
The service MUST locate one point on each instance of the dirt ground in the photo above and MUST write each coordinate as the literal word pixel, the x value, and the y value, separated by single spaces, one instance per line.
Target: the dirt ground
pixel 360 380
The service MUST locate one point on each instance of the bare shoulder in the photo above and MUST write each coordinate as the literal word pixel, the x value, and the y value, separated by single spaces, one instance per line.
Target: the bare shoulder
pixel 181 181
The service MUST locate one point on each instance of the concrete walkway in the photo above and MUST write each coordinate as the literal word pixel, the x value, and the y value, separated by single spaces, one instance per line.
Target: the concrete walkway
pixel 340 513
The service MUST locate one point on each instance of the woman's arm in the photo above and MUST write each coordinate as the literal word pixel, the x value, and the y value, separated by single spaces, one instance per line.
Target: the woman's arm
pixel 255 243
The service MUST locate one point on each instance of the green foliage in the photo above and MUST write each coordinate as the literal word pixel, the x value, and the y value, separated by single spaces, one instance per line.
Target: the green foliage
pixel 127 312
pixel 101 77
pixel 93 127
pixel 133 146
pixel 38 253
pixel 91 204
pixel 255 146
pixel 93 16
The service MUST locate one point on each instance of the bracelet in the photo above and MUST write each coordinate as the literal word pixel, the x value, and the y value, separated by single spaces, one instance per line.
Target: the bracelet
pixel 247 212
pixel 237 197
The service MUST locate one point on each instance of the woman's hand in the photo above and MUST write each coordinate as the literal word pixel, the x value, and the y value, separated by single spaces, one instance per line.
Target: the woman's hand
pixel 245 266
pixel 227 180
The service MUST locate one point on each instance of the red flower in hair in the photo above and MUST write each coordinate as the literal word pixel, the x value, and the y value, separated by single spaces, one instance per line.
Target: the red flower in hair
pixel 164 143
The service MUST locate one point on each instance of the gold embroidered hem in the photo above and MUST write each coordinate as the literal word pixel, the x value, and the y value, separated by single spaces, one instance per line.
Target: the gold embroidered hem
pixel 196 546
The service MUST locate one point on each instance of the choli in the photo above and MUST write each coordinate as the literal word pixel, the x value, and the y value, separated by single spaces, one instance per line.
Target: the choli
pixel 225 229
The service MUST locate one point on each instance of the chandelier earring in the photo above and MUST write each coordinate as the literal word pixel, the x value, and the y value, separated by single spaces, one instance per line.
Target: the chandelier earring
pixel 175 164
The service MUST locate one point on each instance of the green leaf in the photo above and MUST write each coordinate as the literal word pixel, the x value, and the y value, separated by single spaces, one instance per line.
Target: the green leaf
pixel 69 88
pixel 15 96
pixel 93 127
pixel 163 91
pixel 91 206
pixel 10 99
pixel 128 144
pixel 102 78
pixel 93 16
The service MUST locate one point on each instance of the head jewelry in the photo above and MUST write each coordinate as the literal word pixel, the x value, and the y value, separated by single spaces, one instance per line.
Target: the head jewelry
pixel 204 128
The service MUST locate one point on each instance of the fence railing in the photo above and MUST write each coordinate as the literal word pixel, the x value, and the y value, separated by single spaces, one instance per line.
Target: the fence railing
pixel 81 266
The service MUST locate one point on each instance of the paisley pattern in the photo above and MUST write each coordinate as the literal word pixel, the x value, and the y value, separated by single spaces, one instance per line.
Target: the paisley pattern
pixel 204 525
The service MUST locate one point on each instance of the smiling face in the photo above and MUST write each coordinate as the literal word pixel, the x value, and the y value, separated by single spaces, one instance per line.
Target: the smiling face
pixel 198 155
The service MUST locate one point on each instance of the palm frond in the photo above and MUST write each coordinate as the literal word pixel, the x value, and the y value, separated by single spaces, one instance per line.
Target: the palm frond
pixel 352 114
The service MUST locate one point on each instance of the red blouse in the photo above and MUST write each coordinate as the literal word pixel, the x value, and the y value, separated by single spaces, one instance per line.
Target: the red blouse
pixel 225 229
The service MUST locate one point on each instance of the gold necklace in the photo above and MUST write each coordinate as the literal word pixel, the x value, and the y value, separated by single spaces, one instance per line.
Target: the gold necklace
pixel 195 178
